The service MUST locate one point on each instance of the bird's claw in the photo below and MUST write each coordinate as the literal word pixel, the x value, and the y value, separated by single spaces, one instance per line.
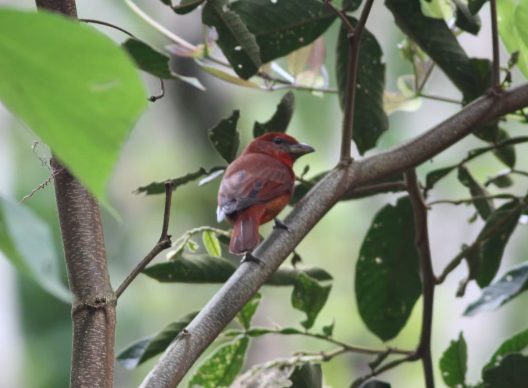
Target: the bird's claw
pixel 280 225
pixel 248 256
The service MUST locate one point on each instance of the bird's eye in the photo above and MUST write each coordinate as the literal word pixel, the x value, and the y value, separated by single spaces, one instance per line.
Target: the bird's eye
pixel 277 140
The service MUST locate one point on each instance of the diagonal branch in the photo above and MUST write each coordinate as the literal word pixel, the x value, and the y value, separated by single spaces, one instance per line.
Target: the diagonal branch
pixel 163 243
pixel 248 278
pixel 428 277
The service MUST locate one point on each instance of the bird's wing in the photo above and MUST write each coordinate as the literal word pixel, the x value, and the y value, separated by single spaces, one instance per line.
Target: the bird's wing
pixel 245 188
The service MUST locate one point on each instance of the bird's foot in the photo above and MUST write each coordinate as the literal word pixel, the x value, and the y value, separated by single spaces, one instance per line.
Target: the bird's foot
pixel 248 256
pixel 280 225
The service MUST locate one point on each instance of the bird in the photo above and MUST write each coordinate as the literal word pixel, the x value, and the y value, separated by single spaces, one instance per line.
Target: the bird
pixel 256 187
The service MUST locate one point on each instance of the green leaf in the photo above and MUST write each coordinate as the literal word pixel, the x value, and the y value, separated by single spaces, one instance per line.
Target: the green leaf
pixel 511 284
pixel 465 20
pixel 154 62
pixel 246 314
pixel 375 384
pixel 307 375
pixel 351 5
pixel 484 206
pixel 434 176
pixel 287 275
pixel 521 21
pixel 238 44
pixel 370 119
pixel 505 154
pixel 453 363
pixel 436 39
pixel 475 6
pixel 511 372
pixel 159 187
pixel 211 243
pixel 187 6
pixel 144 349
pixel 225 137
pixel 499 226
pixel 26 241
pixel 83 105
pixel 513 344
pixel 221 368
pixel 281 27
pixel 310 297
pixel 508 23
pixel 329 330
pixel 280 119
pixel 501 180
pixel 388 273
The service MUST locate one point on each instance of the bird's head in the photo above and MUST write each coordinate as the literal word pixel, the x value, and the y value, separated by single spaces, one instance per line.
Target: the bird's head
pixel 279 145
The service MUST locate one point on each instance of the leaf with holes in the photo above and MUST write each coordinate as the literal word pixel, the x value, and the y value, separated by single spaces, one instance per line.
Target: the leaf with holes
pixel 453 363
pixel 370 119
pixel 515 344
pixel 310 297
pixel 511 372
pixel 280 119
pixel 221 368
pixel 484 206
pixel 144 349
pixel 246 314
pixel 388 272
pixel 225 137
pixel 234 39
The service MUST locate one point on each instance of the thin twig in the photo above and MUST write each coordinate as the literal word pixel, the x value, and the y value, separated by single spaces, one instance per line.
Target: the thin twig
pixel 162 84
pixel 44 184
pixel 379 188
pixel 439 98
pixel 384 368
pixel 300 87
pixel 495 39
pixel 428 277
pixel 341 15
pixel 354 40
pixel 163 243
pixel 473 199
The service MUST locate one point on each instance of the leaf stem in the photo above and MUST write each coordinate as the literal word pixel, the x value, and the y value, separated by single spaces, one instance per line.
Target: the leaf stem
pixel 390 365
pixel 476 198
pixel 438 98
pixel 495 41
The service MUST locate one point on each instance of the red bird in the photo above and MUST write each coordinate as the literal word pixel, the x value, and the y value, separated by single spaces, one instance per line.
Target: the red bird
pixel 257 186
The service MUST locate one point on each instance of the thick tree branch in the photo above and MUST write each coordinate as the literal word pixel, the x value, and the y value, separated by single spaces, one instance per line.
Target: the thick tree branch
pixel 163 243
pixel 248 278
pixel 428 277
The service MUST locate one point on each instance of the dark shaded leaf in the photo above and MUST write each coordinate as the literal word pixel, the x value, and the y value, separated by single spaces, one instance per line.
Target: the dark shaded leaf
pixel 159 187
pixel 310 297
pixel 307 375
pixel 501 180
pixel 436 39
pixel 225 137
pixel 260 331
pixel 511 284
pixel 146 348
pixel 224 239
pixel 387 273
pixel 435 175
pixel 465 20
pixel 238 44
pixel 453 363
pixel 351 5
pixel 283 26
pixel 27 243
pixel 211 243
pixel 187 6
pixel 246 314
pixel 475 5
pixel 221 368
pixel 280 119
pixel 511 372
pixel 329 330
pixel 370 119
pixel 499 226
pixel 154 62
pixel 505 154
pixel 484 206
pixel 286 275
pixel 513 344
pixel 375 384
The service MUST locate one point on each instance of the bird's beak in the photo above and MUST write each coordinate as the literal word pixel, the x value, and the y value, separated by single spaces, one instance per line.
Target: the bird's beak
pixel 300 149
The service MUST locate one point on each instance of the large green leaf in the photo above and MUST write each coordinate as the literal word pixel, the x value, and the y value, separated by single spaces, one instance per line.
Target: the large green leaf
pixel 499 227
pixel 484 206
pixel 453 363
pixel 511 372
pixel 307 375
pixel 192 268
pixel 26 241
pixel 146 348
pixel 246 314
pixel 225 137
pixel 237 43
pixel 511 284
pixel 514 344
pixel 310 297
pixel 280 119
pixel 74 87
pixel 509 33
pixel 436 39
pixel 370 119
pixel 156 63
pixel 221 368
pixel 159 187
pixel 388 271
pixel 281 27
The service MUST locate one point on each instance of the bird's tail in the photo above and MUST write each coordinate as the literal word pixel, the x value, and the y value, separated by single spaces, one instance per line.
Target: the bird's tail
pixel 246 234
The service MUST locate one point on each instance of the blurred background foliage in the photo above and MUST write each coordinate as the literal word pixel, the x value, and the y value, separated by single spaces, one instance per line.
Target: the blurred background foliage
pixel 171 139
